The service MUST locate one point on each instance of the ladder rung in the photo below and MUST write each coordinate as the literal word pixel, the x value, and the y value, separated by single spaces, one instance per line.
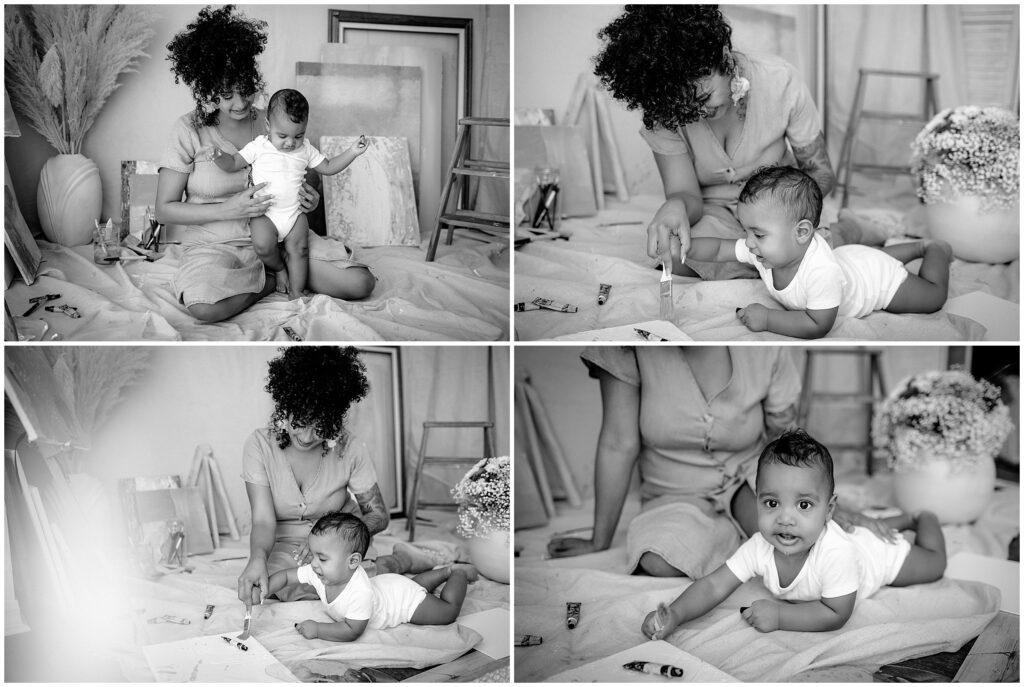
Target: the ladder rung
pixel 495 165
pixel 458 423
pixel 436 505
pixel 450 460
pixel 890 169
pixel 910 75
pixel 463 219
pixel 851 398
pixel 483 121
pixel 875 114
pixel 467 171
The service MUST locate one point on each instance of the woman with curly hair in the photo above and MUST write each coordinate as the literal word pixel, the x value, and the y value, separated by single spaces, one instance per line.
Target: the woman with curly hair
pixel 712 116
pixel 304 464
pixel 220 274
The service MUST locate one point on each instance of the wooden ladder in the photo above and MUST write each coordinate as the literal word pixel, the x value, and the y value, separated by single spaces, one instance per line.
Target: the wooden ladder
pixel 929 109
pixel 460 170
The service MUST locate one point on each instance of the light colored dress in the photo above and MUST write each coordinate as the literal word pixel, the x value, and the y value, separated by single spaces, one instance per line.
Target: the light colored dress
pixel 780 109
pixel 346 468
pixel 218 260
pixel 696 452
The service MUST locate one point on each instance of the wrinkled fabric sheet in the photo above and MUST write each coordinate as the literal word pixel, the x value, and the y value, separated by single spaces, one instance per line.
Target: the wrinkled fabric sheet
pixel 602 249
pixel 462 295
pixel 893 625
pixel 211 582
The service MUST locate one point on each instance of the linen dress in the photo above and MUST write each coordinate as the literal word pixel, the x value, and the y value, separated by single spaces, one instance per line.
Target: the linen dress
pixel 696 452
pixel 780 113
pixel 218 260
pixel 346 468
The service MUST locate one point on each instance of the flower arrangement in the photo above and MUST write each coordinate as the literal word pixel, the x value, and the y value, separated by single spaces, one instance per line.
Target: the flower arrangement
pixel 62 62
pixel 975 150
pixel 483 497
pixel 938 416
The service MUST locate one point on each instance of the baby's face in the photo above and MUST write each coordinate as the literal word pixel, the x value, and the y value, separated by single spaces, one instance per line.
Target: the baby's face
pixel 718 93
pixel 332 561
pixel 771 234
pixel 285 134
pixel 793 505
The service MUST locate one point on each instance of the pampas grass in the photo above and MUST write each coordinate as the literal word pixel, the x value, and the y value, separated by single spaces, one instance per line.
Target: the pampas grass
pixel 62 62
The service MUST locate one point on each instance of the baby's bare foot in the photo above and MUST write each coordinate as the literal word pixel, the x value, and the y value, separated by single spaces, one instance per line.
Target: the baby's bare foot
pixel 940 245
pixel 294 295
pixel 471 573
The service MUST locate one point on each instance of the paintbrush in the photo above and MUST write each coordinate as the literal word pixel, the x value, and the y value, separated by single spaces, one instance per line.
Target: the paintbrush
pixel 666 291
pixel 245 624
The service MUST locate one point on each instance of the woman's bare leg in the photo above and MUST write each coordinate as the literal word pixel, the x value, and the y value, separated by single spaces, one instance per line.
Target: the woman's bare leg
pixel 232 305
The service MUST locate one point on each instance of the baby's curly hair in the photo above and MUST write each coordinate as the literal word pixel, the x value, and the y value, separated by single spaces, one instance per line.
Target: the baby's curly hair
pixel 789 187
pixel 314 386
pixel 654 55
pixel 291 102
pixel 216 52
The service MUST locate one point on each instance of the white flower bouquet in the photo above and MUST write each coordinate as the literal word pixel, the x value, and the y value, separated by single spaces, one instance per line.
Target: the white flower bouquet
pixel 483 497
pixel 941 416
pixel 971 151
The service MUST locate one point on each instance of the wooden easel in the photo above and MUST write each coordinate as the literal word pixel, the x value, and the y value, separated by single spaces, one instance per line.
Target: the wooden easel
pixel 205 474
pixel 588 106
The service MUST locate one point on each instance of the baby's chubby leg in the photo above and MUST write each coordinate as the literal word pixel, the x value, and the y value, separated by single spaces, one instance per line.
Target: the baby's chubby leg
pixel 296 246
pixel 444 610
pixel 264 242
pixel 926 291
pixel 926 561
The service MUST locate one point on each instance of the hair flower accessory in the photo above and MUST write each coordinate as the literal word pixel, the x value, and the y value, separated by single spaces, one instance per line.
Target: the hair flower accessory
pixel 739 87
pixel 483 497
pixel 943 415
pixel 331 443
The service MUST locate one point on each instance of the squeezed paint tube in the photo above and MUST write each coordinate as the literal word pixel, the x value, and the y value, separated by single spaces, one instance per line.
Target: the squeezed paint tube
pixel 235 643
pixel 602 293
pixel 554 305
pixel 523 307
pixel 654 668
pixel 572 614
pixel 528 640
pixel 208 612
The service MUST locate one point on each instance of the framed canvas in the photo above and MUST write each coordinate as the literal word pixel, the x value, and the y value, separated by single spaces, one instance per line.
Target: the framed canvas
pixel 379 415
pixel 18 240
pixel 138 192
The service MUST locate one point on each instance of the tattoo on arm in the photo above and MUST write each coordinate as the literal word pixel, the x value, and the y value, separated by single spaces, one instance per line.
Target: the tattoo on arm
pixel 813 160
pixel 375 513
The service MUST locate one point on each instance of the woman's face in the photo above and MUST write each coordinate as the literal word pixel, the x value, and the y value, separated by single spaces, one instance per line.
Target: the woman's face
pixel 715 95
pixel 234 105
pixel 303 438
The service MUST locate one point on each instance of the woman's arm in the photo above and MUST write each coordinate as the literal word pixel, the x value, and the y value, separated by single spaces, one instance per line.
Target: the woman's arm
pixel 813 160
pixel 374 512
pixel 683 206
pixel 171 209
pixel 261 542
pixel 618 448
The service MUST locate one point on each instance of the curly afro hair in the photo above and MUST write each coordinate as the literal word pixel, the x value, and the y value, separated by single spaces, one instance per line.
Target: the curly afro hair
pixel 655 55
pixel 217 52
pixel 314 386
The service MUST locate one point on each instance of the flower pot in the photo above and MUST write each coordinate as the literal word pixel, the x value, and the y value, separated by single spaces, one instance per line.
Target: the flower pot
pixel 69 199
pixel 955 492
pixel 992 236
pixel 491 555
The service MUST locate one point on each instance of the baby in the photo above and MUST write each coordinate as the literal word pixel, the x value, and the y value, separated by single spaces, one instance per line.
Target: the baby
pixel 280 158
pixel 355 601
pixel 779 207
pixel 815 570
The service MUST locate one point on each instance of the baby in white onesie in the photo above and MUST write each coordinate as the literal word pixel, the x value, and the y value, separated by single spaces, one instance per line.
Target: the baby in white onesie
pixel 779 207
pixel 355 601
pixel 815 570
pixel 280 159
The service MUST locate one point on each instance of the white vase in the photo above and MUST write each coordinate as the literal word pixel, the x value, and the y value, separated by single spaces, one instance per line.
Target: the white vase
pixel 992 236
pixel 955 495
pixel 69 199
pixel 491 554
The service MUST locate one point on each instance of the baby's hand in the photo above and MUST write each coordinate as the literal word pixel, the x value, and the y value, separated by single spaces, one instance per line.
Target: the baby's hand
pixel 659 623
pixel 763 615
pixel 308 629
pixel 754 317
pixel 361 145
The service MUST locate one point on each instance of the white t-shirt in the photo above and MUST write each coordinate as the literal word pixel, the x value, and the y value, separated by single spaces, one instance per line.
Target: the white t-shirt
pixel 385 600
pixel 283 170
pixel 838 564
pixel 858 279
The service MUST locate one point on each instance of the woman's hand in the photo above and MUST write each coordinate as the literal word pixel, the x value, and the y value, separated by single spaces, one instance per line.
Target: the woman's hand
pixel 668 234
pixel 309 199
pixel 247 203
pixel 849 519
pixel 564 547
pixel 253 582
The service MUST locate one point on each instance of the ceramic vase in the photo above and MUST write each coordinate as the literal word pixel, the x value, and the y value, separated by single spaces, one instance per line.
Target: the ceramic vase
pixel 491 555
pixel 69 199
pixel 992 236
pixel 956 492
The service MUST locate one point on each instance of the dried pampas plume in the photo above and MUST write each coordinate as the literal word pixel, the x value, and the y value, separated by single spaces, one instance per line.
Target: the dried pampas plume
pixel 62 62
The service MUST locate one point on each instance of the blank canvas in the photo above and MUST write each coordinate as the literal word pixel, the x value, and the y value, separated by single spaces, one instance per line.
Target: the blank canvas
pixel 211 659
pixel 354 99
pixel 372 202
pixel 432 164
pixel 156 506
